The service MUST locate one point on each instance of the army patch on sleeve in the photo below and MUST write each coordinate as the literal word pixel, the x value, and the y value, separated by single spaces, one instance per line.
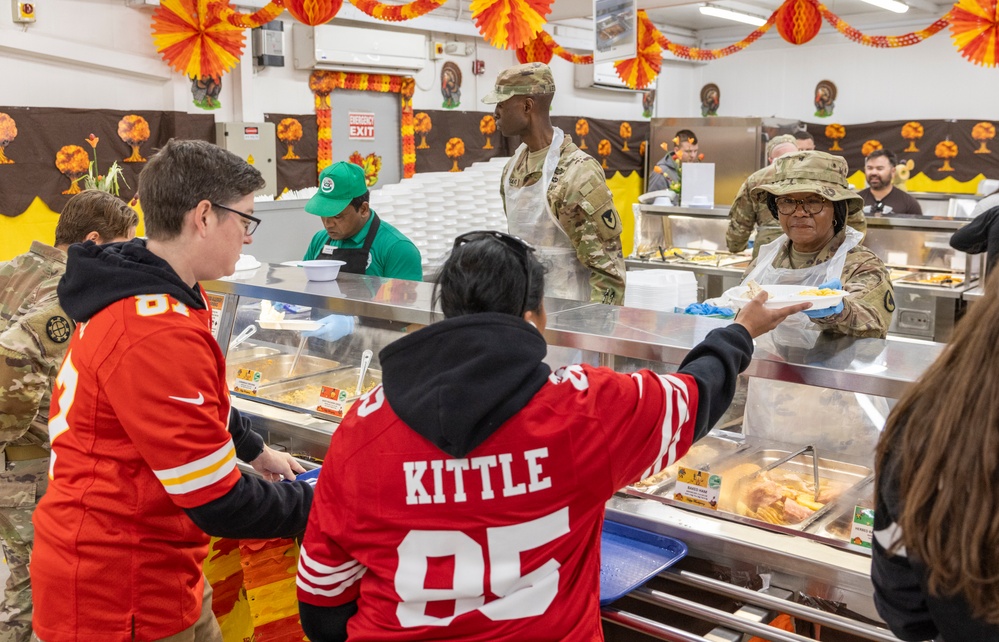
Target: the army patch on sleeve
pixel 58 329
pixel 889 302
pixel 609 219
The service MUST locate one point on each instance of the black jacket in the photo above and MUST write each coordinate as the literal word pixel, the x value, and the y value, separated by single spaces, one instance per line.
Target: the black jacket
pixel 97 276
pixel 981 234
pixel 900 591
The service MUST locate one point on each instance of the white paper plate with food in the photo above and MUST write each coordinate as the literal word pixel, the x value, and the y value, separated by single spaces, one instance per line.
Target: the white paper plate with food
pixel 780 296
pixel 301 325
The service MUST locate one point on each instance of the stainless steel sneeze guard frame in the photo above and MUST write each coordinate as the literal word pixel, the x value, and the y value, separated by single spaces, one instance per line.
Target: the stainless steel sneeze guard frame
pixel 872 366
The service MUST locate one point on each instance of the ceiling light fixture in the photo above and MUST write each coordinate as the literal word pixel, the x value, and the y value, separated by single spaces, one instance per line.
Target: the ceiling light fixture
pixel 737 16
pixel 890 5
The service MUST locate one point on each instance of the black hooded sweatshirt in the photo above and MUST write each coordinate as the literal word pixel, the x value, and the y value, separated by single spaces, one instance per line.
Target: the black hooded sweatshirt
pixel 97 276
pixel 457 381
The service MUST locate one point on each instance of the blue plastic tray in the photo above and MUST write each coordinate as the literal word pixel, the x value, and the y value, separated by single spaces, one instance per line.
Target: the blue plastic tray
pixel 630 557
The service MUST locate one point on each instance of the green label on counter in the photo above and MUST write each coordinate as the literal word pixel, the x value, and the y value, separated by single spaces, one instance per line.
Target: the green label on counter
pixel 698 487
pixel 863 526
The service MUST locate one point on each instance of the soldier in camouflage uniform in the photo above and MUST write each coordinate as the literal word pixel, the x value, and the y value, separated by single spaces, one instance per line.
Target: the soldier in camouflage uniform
pixel 34 332
pixel 817 181
pixel 563 206
pixel 747 213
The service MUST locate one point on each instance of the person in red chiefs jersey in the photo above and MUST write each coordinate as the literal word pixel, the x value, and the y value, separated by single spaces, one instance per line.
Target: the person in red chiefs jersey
pixel 144 441
pixel 463 499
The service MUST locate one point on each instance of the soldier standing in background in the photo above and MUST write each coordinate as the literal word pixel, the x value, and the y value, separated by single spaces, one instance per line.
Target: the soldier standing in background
pixel 745 215
pixel 34 334
pixel 555 195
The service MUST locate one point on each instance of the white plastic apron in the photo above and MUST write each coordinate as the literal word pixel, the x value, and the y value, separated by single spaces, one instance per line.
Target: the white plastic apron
pixel 766 274
pixel 530 218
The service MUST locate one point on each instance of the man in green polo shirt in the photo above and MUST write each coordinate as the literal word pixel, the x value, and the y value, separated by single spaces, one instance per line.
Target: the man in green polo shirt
pixel 354 233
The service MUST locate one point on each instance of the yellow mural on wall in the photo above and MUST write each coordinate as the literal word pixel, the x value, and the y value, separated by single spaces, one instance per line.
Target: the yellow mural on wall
pixel 923 183
pixel 37 223
pixel 626 190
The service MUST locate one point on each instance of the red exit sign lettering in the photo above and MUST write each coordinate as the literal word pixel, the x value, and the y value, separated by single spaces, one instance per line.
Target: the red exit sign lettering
pixel 362 126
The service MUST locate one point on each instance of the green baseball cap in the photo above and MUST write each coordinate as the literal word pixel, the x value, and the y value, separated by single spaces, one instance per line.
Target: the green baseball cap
pixel 339 184
pixel 815 172
pixel 532 79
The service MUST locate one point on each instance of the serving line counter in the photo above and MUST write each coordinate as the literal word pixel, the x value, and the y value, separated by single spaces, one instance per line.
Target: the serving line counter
pixel 295 389
pixel 928 275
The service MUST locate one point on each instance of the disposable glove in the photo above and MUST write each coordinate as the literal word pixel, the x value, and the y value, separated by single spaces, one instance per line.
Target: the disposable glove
pixel 706 309
pixel 834 284
pixel 335 326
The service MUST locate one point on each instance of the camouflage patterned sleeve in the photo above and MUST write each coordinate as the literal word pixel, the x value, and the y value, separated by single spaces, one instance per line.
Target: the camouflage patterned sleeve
pixel 858 222
pixel 31 350
pixel 594 227
pixel 867 310
pixel 741 221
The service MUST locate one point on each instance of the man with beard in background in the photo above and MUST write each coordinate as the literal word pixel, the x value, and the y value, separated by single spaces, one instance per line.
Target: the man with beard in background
pixel 880 197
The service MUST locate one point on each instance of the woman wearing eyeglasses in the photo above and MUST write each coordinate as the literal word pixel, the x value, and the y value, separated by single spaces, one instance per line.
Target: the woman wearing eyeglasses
pixel 463 499
pixel 811 200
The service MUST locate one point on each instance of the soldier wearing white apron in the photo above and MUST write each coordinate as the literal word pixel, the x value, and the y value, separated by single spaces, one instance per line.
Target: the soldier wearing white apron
pixel 810 198
pixel 555 195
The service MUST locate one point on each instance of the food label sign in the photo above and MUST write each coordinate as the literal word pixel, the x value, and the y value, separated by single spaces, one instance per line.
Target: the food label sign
pixel 332 401
pixel 698 487
pixel 362 126
pixel 216 302
pixel 248 381
pixel 863 526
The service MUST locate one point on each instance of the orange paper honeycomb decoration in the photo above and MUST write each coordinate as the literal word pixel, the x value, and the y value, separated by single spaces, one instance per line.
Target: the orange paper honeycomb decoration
pixel 313 12
pixel 798 21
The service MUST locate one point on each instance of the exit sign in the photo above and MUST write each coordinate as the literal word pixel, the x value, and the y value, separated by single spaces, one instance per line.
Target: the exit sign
pixel 362 126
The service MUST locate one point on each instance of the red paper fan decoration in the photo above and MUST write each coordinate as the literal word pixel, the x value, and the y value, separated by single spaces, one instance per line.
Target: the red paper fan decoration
pixel 537 50
pixel 798 21
pixel 194 38
pixel 641 70
pixel 974 29
pixel 510 24
pixel 313 12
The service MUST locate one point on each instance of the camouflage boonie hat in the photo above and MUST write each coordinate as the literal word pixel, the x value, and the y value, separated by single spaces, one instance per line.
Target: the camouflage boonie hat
pixel 531 79
pixel 783 139
pixel 815 172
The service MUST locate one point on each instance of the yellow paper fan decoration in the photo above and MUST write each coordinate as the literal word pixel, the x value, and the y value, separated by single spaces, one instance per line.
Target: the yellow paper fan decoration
pixel 641 70
pixel 196 39
pixel 510 24
pixel 974 28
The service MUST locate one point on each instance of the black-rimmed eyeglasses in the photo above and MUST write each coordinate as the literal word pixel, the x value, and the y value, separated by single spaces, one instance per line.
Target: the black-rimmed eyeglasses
pixel 251 221
pixel 517 245
pixel 811 206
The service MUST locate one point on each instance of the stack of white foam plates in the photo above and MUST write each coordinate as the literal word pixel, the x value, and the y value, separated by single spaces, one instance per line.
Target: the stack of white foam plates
pixel 651 290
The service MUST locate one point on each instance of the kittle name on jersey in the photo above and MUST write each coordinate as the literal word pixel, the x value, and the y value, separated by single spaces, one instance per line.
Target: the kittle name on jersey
pixel 510 475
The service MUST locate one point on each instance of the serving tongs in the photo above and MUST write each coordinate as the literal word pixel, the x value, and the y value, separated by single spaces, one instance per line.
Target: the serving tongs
pixel 784 460
pixel 365 362
pixel 247 332
pixel 298 354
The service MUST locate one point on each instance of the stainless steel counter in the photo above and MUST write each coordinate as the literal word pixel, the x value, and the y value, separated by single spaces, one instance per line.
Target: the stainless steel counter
pixel 974 294
pixel 620 336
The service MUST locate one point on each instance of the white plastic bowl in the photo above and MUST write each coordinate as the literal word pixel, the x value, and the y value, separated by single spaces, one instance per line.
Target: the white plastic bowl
pixel 322 270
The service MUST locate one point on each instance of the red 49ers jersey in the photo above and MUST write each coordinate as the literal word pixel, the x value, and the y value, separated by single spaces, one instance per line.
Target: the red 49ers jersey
pixel 502 544
pixel 139 432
